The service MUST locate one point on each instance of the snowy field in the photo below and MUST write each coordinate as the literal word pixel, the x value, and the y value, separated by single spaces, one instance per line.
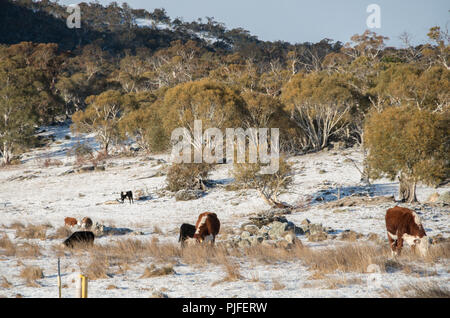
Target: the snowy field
pixel 31 193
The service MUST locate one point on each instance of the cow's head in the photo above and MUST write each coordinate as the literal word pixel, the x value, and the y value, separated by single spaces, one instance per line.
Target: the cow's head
pixel 198 237
pixel 422 245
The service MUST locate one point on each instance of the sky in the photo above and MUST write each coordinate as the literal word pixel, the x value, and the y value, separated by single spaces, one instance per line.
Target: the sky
pixel 298 21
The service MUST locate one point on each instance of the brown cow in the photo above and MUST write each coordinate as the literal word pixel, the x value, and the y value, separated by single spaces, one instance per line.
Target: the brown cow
pixel 86 223
pixel 404 225
pixel 68 221
pixel 207 227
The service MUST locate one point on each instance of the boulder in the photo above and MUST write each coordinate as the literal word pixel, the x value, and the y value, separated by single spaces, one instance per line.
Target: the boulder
pixel 251 228
pixel 277 229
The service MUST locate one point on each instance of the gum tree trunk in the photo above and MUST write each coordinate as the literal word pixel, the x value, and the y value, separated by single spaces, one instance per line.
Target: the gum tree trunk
pixel 407 189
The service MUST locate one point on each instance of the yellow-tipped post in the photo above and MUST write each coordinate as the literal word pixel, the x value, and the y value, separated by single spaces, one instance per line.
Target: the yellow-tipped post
pixel 84 286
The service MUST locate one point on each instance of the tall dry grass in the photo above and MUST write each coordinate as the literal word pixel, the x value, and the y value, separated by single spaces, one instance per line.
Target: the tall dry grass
pixel 350 258
pixel 32 231
pixel 419 290
pixel 31 274
pixel 154 271
pixel 7 248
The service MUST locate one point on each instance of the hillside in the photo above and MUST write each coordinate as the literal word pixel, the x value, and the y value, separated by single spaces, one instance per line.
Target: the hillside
pixel 155 220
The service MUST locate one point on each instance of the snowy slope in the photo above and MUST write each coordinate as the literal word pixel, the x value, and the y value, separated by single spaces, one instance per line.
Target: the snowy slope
pixel 47 195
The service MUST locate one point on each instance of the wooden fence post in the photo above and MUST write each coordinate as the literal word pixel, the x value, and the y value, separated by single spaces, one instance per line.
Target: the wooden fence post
pixel 59 279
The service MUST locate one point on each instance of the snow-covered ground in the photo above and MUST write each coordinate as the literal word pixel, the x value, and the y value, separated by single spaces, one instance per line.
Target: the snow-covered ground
pixel 35 194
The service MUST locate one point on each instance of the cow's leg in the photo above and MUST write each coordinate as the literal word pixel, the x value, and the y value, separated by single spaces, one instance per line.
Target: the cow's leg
pixel 399 243
pixel 392 244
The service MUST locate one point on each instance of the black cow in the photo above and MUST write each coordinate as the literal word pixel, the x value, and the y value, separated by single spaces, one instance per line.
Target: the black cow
pixel 80 237
pixel 128 194
pixel 186 231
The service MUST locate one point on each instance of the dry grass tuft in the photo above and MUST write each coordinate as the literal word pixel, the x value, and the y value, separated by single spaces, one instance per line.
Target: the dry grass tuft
pixel 339 282
pixel 16 225
pixel 97 268
pixel 277 285
pixel 32 232
pixel 154 271
pixel 7 247
pixel 232 269
pixel 31 274
pixel 5 283
pixel 28 250
pixel 421 290
pixel 61 233
pixel 157 230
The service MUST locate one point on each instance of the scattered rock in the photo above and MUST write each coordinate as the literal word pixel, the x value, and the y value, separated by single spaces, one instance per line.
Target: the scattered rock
pixel 187 195
pixel 158 294
pixel 444 198
pixel 102 230
pixel 251 228
pixel 85 169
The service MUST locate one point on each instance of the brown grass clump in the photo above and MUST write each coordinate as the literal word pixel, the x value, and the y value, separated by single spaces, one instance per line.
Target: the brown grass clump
pixel 32 232
pixel 31 274
pixel 347 258
pixel 420 290
pixel 277 285
pixel 7 247
pixel 28 250
pixel 338 282
pixel 5 283
pixel 154 271
pixel 157 230
pixel 61 233
pixel 97 268
pixel 123 253
pixel 16 225
pixel 232 269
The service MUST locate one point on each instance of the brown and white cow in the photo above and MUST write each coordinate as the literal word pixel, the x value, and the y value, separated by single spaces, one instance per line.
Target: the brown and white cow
pixel 86 223
pixel 70 222
pixel 404 225
pixel 207 227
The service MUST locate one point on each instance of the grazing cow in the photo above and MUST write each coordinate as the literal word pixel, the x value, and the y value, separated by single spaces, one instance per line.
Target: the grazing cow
pixel 80 237
pixel 403 225
pixel 207 227
pixel 86 223
pixel 186 231
pixel 68 221
pixel 128 194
